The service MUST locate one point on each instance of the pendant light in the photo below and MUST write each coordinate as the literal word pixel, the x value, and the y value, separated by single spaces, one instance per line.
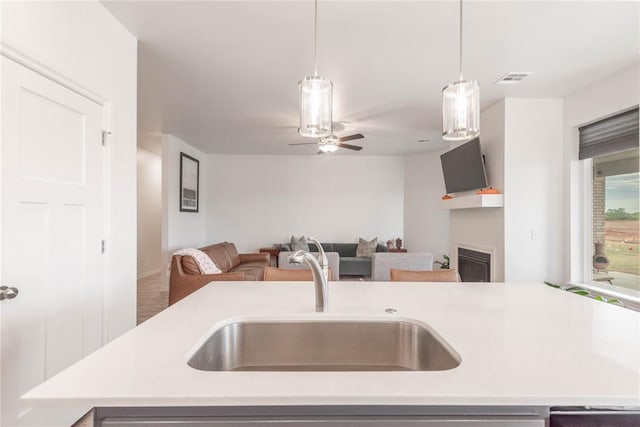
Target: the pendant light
pixel 315 96
pixel 461 105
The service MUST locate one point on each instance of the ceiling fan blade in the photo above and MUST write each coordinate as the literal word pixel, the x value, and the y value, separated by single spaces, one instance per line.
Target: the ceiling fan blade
pixel 350 147
pixel 351 137
pixel 304 143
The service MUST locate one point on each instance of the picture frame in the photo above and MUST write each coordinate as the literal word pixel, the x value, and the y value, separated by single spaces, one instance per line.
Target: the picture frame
pixel 189 183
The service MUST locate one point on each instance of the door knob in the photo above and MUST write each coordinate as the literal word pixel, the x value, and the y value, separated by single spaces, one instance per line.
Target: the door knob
pixel 7 292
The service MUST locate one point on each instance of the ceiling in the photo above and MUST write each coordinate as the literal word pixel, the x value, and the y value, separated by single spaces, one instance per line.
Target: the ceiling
pixel 223 75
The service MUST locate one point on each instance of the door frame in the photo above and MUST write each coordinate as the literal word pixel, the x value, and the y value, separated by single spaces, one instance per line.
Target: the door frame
pixel 24 58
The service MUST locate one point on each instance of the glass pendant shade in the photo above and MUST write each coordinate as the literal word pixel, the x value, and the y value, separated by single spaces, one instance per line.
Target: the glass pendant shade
pixel 461 110
pixel 315 106
pixel 328 148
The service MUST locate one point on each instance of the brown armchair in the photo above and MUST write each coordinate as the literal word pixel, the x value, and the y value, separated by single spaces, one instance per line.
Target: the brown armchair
pixel 424 275
pixel 285 275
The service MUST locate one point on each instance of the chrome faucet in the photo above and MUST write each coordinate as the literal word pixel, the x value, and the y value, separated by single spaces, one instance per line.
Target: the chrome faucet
pixel 322 258
pixel 320 271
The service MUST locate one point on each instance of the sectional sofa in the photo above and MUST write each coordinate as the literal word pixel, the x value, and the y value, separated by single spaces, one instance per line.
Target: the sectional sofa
pixel 349 263
pixel 187 278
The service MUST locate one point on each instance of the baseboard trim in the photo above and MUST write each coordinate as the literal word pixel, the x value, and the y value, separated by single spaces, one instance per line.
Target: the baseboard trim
pixel 149 273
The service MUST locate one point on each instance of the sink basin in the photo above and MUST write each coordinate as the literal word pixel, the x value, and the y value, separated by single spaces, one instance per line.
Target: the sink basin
pixel 314 344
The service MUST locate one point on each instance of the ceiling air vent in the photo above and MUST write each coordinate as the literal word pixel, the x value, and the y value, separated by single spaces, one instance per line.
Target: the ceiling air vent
pixel 513 77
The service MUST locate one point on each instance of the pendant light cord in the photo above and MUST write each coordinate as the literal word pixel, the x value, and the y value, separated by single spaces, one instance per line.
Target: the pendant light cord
pixel 315 39
pixel 460 48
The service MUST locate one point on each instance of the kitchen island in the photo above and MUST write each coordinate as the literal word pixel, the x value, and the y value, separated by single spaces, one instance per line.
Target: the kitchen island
pixel 524 348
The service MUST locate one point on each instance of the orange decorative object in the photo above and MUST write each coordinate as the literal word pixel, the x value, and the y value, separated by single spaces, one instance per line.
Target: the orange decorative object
pixel 446 197
pixel 489 190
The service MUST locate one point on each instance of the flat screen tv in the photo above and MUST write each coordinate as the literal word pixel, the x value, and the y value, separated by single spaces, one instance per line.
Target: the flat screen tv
pixel 463 168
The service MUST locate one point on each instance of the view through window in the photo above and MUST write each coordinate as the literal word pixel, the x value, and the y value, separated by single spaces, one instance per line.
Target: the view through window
pixel 616 222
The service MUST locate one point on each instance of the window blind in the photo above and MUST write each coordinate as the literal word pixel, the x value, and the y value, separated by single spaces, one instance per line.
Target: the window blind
pixel 611 135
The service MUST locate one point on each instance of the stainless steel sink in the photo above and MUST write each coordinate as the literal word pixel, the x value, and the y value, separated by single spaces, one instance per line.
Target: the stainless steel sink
pixel 324 345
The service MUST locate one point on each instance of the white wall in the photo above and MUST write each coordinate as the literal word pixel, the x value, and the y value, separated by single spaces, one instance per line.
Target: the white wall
pixel 533 160
pixel 484 228
pixel 149 213
pixel 522 142
pixel 180 229
pixel 257 201
pixel 606 97
pixel 426 226
pixel 100 57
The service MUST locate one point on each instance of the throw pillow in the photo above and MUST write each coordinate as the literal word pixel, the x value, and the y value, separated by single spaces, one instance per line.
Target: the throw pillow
pixel 366 248
pixel 300 244
pixel 197 262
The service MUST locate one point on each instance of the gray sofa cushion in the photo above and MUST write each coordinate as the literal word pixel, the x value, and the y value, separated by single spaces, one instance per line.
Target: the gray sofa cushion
pixel 345 249
pixel 328 247
pixel 355 266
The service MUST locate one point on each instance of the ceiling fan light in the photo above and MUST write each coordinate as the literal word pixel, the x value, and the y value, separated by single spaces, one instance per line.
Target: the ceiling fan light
pixel 315 106
pixel 328 148
pixel 461 110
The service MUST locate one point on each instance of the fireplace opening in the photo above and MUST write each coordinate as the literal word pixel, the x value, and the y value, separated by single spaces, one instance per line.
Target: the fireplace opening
pixel 474 266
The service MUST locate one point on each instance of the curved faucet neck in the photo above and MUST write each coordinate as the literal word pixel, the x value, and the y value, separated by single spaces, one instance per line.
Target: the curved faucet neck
pixel 319 278
pixel 322 258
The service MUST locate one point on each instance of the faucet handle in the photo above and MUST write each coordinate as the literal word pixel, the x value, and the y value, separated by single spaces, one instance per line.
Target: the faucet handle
pixel 297 257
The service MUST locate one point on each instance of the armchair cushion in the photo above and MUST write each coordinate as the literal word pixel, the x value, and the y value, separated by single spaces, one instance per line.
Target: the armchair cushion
pixel 286 275
pixel 424 275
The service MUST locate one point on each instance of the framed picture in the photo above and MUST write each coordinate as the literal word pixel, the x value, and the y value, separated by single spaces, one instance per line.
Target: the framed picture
pixel 189 183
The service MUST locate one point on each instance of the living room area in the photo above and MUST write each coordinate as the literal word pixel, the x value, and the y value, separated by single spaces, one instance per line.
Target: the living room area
pixel 256 190
pixel 383 197
pixel 277 197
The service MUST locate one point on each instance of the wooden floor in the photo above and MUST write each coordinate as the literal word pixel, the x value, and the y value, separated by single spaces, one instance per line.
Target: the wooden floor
pixel 152 299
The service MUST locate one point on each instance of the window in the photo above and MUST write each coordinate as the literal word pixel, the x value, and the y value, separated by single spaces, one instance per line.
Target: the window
pixel 616 230
pixel 612 145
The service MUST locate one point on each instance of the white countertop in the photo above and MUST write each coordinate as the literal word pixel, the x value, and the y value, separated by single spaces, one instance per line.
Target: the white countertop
pixel 521 344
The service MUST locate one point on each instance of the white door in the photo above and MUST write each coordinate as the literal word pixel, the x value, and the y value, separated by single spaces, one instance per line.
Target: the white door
pixel 52 226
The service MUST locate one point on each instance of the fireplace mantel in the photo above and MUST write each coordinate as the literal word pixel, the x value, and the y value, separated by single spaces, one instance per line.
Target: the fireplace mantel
pixel 473 201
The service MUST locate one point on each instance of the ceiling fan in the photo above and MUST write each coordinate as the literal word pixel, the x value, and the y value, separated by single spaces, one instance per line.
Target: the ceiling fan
pixel 329 144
